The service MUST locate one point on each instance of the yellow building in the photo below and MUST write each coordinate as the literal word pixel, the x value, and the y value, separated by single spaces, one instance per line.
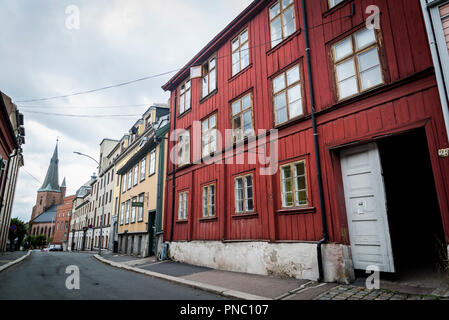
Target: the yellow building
pixel 139 187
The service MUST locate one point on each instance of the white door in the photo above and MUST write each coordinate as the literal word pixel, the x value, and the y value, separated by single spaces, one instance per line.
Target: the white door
pixel 366 208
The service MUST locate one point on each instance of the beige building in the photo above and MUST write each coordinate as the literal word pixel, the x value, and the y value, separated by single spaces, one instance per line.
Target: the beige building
pixel 140 184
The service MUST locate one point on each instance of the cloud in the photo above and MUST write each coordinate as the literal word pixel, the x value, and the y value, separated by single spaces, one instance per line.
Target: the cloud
pixel 117 41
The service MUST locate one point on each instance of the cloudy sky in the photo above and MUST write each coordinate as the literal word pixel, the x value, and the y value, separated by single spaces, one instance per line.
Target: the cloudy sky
pixel 118 41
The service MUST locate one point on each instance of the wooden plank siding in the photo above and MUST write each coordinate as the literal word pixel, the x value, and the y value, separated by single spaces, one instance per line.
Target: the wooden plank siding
pixel 408 99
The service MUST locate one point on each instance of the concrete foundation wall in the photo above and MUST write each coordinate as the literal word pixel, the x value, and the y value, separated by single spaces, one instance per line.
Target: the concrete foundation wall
pixel 296 260
pixel 125 246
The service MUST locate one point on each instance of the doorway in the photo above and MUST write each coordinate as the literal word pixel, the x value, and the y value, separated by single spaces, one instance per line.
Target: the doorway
pixel 394 220
pixel 152 233
pixel 414 215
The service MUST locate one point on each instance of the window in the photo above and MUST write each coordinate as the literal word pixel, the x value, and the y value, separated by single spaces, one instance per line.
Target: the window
pixel 152 168
pixel 333 3
pixel 133 211
pixel 209 77
pixel 130 178
pixel 136 174
pixel 209 136
pixel 242 117
pixel 287 96
pixel 184 148
pixel 122 213
pixel 142 169
pixel 182 205
pixel 184 97
pixel 356 63
pixel 209 201
pixel 240 52
pixel 148 121
pixel 244 198
pixel 294 185
pixel 282 21
pixel 127 212
pixel 140 209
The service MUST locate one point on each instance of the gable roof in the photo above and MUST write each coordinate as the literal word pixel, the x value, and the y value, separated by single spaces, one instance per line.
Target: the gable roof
pixel 47 216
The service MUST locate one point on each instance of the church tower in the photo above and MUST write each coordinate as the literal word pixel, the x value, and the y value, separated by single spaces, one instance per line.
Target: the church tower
pixel 50 193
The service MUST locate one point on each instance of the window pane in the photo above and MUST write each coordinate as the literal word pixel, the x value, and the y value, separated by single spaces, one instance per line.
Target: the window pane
pixel 345 70
pixel 295 109
pixel 245 55
pixel 205 202
pixel 212 64
pixel 294 94
pixel 343 49
pixel 301 198
pixel 235 44
pixel 188 85
pixel 212 121
pixel 286 3
pixel 180 206
pixel 280 106
pixel 244 36
pixel 289 22
pixel 276 32
pixel 205 86
pixel 293 75
pixel 278 83
pixel 365 38
pixel 247 122
pixel 213 83
pixel 237 123
pixel 246 102
pixel 275 10
pixel 371 78
pixel 187 103
pixel 235 62
pixel 347 87
pixel 205 125
pixel 236 108
pixel 368 59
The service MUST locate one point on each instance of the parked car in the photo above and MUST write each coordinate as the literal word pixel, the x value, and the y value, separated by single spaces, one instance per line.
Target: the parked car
pixel 56 247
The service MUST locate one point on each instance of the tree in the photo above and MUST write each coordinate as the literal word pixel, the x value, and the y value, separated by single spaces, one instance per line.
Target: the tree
pixel 17 229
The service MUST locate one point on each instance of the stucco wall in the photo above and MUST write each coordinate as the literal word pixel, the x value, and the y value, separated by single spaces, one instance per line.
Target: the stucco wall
pixel 296 260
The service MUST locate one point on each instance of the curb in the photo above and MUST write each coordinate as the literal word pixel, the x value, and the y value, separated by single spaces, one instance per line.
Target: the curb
pixel 10 264
pixel 193 284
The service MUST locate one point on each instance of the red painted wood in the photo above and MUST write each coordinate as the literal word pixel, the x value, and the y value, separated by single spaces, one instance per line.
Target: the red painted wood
pixel 389 110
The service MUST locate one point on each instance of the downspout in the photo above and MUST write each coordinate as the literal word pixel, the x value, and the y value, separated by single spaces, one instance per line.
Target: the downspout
pixel 316 145
pixel 173 171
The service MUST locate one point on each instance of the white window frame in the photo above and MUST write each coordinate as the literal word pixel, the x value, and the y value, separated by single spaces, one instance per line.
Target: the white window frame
pixel 133 210
pixel 240 133
pixel 140 209
pixel 128 203
pixel 207 70
pixel 209 201
pixel 245 197
pixel 240 51
pixel 152 168
pixel 183 205
pixel 136 174
pixel 184 148
pixel 280 15
pixel 294 185
pixel 207 134
pixel 185 96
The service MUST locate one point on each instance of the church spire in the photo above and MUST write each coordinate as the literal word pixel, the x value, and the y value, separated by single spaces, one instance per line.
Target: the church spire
pixel 51 182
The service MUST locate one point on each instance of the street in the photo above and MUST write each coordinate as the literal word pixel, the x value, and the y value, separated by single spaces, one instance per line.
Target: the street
pixel 42 276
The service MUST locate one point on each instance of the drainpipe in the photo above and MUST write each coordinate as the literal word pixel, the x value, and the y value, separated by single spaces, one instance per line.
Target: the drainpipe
pixel 174 171
pixel 316 145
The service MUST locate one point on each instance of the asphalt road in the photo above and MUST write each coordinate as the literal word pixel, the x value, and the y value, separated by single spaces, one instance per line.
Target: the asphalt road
pixel 43 276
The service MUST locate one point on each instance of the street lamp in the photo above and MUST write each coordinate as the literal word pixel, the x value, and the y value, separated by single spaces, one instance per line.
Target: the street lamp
pixel 104 195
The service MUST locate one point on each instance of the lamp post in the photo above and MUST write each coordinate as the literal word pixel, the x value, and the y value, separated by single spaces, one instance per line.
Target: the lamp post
pixel 104 195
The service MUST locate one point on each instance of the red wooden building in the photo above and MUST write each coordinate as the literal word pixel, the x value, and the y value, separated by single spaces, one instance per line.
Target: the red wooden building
pixel 382 195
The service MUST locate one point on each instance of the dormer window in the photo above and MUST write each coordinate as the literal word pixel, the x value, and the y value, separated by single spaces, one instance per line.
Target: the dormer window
pixel 148 121
pixel 184 97
pixel 209 77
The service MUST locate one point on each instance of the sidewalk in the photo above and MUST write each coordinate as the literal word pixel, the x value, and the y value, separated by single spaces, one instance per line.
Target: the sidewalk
pixel 250 286
pixel 11 256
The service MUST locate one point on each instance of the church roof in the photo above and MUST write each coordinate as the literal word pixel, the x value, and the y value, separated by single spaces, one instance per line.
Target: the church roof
pixel 47 216
pixel 51 182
